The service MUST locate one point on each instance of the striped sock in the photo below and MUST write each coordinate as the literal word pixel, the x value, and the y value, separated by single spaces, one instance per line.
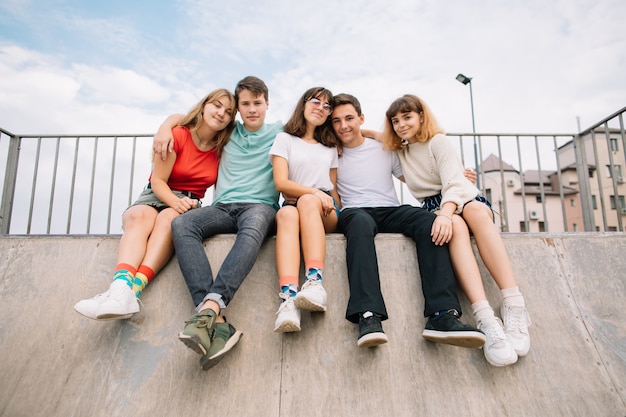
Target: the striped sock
pixel 144 275
pixel 125 272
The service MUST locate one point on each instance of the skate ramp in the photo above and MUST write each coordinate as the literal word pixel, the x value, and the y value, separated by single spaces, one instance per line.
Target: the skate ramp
pixel 54 362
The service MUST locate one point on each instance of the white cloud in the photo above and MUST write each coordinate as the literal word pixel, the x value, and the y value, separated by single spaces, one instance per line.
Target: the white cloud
pixel 536 66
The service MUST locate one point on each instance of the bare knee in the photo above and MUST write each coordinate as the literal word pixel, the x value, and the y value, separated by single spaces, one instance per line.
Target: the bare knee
pixel 165 217
pixel 287 217
pixel 477 212
pixel 309 203
pixel 138 215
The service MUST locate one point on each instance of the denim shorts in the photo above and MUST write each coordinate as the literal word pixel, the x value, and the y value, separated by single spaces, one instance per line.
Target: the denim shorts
pixel 294 203
pixel 148 198
pixel 433 203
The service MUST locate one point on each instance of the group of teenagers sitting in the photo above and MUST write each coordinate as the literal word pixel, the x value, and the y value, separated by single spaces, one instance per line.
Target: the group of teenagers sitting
pixel 333 176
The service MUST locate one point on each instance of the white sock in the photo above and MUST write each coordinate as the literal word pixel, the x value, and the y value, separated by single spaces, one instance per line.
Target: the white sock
pixel 482 310
pixel 513 297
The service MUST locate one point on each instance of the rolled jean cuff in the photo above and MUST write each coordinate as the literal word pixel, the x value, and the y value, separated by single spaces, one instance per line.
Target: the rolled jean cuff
pixel 213 297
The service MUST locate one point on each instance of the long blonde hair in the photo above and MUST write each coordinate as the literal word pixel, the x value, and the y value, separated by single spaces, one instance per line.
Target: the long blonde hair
pixel 406 104
pixel 194 118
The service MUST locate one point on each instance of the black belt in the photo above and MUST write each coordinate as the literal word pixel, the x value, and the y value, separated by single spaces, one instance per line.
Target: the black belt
pixel 183 192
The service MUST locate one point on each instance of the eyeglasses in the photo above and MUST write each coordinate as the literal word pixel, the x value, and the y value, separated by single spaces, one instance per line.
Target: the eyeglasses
pixel 317 103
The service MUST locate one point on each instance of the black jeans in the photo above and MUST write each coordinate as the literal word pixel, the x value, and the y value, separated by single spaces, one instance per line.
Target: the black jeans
pixel 360 226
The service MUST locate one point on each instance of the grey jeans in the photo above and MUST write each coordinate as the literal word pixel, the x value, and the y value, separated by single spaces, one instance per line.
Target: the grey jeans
pixel 252 222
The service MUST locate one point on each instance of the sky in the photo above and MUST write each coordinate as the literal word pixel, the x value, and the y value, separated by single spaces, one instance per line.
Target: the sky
pixel 119 66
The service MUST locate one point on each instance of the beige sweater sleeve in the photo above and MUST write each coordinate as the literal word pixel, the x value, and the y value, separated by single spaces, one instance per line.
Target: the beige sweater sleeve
pixel 434 167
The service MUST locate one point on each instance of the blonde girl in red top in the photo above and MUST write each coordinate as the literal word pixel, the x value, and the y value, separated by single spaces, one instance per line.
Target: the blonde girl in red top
pixel 176 185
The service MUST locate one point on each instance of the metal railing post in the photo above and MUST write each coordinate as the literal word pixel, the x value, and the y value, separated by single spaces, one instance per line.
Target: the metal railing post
pixel 10 178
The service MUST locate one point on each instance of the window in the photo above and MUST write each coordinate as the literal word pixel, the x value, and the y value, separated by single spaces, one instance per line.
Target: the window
pixel 617 169
pixel 614 145
pixel 538 198
pixel 594 203
pixel 572 202
pixel 575 227
pixel 622 202
pixel 542 227
pixel 488 194
pixel 522 227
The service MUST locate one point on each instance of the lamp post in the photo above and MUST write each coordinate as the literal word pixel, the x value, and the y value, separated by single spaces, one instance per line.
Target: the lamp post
pixel 468 80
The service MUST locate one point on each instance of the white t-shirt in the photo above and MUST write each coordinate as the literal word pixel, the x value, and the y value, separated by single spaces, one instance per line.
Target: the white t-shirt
pixel 364 176
pixel 309 163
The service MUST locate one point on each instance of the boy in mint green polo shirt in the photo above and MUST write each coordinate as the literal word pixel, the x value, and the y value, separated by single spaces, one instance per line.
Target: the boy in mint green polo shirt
pixel 245 203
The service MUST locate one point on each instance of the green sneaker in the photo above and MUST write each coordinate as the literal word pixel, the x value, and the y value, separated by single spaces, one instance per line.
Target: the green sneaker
pixel 197 332
pixel 223 339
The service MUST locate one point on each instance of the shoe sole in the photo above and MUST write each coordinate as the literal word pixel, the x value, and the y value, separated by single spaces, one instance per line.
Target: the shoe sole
pixel 288 327
pixel 111 316
pixel 507 362
pixel 209 362
pixel 465 339
pixel 85 315
pixel 193 343
pixel 305 304
pixel 372 339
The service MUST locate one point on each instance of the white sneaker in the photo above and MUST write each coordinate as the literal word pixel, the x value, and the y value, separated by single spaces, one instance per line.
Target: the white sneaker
pixel 288 319
pixel 312 296
pixel 497 349
pixel 89 307
pixel 516 321
pixel 121 303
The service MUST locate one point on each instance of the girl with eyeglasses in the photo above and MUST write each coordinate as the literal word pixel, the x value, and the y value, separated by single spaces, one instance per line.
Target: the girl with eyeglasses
pixel 304 159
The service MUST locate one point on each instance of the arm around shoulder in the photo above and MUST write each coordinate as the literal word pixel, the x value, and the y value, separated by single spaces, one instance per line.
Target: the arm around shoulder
pixel 163 140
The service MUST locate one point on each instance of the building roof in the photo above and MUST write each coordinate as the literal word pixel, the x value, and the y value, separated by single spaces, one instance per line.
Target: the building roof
pixel 493 163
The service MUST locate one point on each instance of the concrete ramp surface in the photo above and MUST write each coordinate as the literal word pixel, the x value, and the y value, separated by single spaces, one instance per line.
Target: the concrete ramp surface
pixel 54 362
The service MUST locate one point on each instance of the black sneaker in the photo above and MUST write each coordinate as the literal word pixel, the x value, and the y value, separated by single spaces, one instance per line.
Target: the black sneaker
pixel 370 331
pixel 448 328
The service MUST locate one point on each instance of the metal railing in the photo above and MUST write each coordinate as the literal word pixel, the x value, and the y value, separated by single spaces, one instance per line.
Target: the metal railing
pixel 80 184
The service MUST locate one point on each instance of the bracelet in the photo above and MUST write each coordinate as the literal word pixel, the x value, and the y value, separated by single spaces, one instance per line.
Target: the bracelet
pixel 446 216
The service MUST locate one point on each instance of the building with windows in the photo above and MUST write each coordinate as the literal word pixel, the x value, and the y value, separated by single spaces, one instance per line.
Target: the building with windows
pixel 554 201
pixel 601 172
pixel 528 202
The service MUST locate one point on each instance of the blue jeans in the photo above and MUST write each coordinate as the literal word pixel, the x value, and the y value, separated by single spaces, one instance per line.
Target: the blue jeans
pixel 252 222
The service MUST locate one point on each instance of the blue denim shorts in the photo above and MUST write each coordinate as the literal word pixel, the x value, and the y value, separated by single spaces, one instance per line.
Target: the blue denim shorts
pixel 294 203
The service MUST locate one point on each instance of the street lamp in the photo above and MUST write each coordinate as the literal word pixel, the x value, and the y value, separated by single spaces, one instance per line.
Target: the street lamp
pixel 468 80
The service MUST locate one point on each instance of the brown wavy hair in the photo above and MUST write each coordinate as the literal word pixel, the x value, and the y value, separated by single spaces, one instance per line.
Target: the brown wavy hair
pixel 296 125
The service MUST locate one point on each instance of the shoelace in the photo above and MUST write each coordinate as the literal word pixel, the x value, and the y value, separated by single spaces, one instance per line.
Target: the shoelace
pixel 493 330
pixel 117 293
pixel 515 321
pixel 286 305
pixel 199 321
pixel 102 297
pixel 312 283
